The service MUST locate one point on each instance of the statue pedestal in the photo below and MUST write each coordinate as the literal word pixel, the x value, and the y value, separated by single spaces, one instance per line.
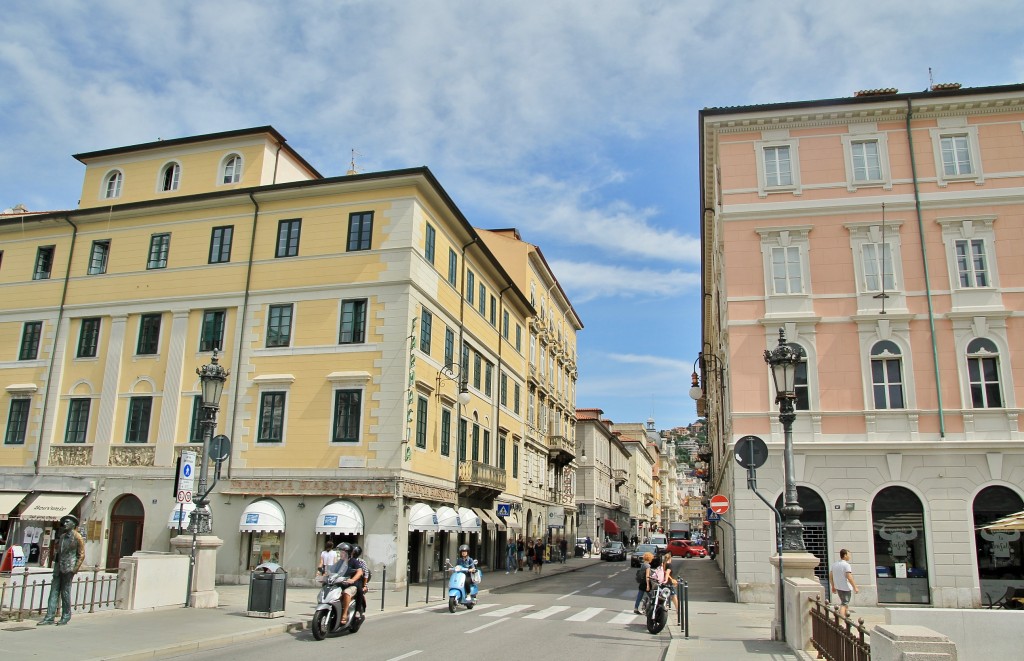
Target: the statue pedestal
pixel 204 573
pixel 797 566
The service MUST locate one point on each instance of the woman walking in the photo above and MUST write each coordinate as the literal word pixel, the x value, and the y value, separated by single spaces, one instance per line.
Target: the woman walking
pixel 510 557
pixel 538 555
pixel 520 552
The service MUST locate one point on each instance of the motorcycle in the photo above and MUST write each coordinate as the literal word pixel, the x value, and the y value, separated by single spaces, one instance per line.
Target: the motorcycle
pixel 457 586
pixel 327 616
pixel 658 601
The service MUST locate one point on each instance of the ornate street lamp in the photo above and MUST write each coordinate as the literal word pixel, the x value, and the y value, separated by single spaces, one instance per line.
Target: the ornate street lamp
pixel 456 374
pixel 783 362
pixel 212 378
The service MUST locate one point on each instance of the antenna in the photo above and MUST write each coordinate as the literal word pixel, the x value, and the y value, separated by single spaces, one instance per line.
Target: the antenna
pixel 884 250
pixel 931 80
pixel 352 164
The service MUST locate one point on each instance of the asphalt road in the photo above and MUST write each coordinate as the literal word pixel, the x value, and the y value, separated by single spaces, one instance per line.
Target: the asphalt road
pixel 587 614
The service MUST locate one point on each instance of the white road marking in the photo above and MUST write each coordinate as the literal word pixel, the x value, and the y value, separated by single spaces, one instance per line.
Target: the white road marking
pixel 489 624
pixel 584 615
pixel 603 591
pixel 478 607
pixel 629 594
pixel 568 595
pixel 547 612
pixel 508 611
pixel 626 617
pixel 405 656
pixel 593 584
pixel 427 609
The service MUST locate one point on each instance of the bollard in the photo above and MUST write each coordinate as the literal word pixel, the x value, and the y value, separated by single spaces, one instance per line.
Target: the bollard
pixel 408 584
pixel 427 599
pixel 686 607
pixel 383 584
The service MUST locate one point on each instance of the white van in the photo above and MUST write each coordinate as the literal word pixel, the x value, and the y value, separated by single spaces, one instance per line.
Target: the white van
pixel 660 541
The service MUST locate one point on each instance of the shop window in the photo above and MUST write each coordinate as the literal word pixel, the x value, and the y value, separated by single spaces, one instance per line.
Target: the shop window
pixel 265 547
pixel 901 561
pixel 1000 554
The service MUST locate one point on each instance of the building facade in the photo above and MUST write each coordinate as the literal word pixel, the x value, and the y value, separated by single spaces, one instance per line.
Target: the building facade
pixel 603 490
pixel 377 349
pixel 881 234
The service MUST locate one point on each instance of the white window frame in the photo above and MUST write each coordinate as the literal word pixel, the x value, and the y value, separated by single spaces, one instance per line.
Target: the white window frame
pixel 354 380
pixel 222 170
pixel 111 176
pixel 956 127
pixel 867 233
pixel 175 180
pixel 276 383
pixel 763 188
pixel 991 326
pixel 960 228
pixel 862 134
pixel 788 304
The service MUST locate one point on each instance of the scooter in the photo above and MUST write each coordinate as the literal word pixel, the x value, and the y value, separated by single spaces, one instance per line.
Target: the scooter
pixel 327 616
pixel 457 586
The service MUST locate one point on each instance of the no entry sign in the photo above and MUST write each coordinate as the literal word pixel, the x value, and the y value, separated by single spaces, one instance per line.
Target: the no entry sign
pixel 719 504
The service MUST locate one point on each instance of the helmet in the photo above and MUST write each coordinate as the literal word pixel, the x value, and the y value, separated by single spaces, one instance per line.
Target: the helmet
pixel 464 547
pixel 345 548
pixel 356 551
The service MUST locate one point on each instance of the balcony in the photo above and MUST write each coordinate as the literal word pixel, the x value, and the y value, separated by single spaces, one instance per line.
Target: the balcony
pixel 620 476
pixel 561 450
pixel 477 480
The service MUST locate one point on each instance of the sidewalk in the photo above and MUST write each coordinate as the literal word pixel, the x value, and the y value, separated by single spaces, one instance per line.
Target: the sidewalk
pixel 127 636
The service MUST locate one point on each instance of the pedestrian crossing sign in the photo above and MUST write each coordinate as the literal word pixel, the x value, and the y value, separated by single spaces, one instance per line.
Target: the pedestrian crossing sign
pixel 504 509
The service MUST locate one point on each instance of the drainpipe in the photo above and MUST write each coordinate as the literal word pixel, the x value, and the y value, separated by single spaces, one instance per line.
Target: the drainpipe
pixel 53 348
pixel 241 325
pixel 927 278
pixel 276 154
pixel 462 368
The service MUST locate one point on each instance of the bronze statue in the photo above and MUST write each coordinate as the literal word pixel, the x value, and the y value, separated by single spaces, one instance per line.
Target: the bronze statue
pixel 70 555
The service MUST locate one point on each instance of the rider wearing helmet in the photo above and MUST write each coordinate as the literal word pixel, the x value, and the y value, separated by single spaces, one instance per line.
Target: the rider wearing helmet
pixel 469 564
pixel 353 575
pixel 357 561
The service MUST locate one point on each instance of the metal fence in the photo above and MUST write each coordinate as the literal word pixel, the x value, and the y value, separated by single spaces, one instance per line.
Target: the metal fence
pixel 835 637
pixel 24 593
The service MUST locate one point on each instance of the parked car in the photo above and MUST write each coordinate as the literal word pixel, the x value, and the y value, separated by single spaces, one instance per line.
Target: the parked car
pixel 636 558
pixel 682 548
pixel 613 551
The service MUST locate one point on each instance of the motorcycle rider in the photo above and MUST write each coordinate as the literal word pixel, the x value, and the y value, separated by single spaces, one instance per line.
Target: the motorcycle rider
pixel 469 564
pixel 357 560
pixel 353 575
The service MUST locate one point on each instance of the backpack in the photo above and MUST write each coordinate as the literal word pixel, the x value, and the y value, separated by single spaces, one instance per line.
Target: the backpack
pixel 641 574
pixel 659 575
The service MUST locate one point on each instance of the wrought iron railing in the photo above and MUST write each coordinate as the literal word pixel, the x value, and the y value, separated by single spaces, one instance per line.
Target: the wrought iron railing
pixel 836 637
pixel 24 593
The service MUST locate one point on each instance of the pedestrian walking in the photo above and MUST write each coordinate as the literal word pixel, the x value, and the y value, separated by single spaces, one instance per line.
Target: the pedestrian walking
pixel 510 557
pixel 842 581
pixel 641 587
pixel 520 552
pixel 529 554
pixel 328 558
pixel 563 548
pixel 589 544
pixel 538 555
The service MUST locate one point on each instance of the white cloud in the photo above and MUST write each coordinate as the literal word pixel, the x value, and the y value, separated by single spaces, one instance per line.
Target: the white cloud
pixel 651 361
pixel 585 281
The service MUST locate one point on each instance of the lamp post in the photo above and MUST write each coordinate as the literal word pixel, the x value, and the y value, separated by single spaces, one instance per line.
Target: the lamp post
pixel 456 373
pixel 783 361
pixel 212 378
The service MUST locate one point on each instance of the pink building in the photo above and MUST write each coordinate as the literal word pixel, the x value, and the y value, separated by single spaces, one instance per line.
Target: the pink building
pixel 884 233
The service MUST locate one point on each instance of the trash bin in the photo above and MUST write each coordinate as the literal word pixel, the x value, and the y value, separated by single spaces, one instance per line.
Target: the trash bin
pixel 267 586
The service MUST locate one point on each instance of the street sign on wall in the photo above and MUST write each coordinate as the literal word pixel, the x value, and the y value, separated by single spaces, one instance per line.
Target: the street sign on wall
pixel 719 504
pixel 187 476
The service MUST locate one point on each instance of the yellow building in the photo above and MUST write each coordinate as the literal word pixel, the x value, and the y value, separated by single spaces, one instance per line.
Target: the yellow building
pixel 351 312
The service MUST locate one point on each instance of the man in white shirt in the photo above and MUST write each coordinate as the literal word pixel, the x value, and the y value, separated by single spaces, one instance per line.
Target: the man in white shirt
pixel 842 581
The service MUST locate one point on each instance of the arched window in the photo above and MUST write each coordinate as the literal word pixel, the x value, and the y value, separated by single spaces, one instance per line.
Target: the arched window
pixel 815 521
pixel 169 177
pixel 232 170
pixel 112 185
pixel 1000 552
pixel 803 396
pixel 901 563
pixel 983 374
pixel 887 375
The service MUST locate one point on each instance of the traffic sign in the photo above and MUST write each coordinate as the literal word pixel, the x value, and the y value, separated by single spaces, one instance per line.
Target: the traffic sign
pixel 751 452
pixel 719 504
pixel 184 496
pixel 504 510
pixel 187 476
pixel 714 517
pixel 220 447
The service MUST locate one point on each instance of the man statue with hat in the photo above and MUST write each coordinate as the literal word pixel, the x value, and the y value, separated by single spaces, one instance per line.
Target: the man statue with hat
pixel 70 555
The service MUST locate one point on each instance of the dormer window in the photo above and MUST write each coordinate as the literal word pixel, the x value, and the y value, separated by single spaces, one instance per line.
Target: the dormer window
pixel 169 177
pixel 232 172
pixel 112 185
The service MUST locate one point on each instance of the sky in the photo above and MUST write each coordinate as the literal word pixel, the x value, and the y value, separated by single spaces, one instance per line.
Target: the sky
pixel 574 121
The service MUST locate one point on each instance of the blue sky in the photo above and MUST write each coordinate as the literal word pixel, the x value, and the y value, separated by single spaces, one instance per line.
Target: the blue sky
pixel 575 121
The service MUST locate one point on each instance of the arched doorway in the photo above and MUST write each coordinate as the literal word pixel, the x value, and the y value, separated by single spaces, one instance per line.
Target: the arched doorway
pixel 1000 554
pixel 529 524
pixel 815 524
pixel 901 561
pixel 126 522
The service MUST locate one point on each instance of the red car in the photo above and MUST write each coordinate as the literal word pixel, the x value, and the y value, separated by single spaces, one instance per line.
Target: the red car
pixel 682 548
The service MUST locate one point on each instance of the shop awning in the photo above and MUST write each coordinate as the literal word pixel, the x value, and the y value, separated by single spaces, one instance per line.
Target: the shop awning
pixel 9 500
pixel 262 516
pixel 182 510
pixel 51 506
pixel 611 527
pixel 489 519
pixel 423 518
pixel 340 517
pixel 513 522
pixel 1011 522
pixel 470 520
pixel 448 520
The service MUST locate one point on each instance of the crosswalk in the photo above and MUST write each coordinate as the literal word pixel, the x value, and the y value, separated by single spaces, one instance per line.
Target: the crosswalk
pixel 493 611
